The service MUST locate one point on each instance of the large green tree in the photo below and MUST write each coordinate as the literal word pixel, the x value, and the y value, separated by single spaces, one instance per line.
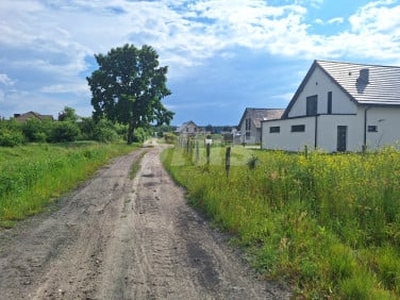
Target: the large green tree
pixel 128 88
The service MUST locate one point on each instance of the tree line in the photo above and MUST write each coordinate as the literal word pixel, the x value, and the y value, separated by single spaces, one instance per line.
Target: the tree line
pixel 127 89
pixel 69 127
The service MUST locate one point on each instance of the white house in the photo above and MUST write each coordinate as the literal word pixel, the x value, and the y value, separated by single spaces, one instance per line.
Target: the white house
pixel 339 107
pixel 250 123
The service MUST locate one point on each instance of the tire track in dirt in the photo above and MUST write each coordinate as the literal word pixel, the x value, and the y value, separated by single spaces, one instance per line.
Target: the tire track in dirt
pixel 117 238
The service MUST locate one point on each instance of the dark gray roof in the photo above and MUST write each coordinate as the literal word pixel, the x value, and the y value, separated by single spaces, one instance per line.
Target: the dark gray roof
pixel 257 115
pixel 366 84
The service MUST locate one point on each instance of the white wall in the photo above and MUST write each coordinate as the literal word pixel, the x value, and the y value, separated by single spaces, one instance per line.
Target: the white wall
pixel 285 139
pixel 327 132
pixel 320 84
pixel 387 120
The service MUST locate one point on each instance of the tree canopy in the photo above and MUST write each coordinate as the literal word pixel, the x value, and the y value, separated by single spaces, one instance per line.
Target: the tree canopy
pixel 128 88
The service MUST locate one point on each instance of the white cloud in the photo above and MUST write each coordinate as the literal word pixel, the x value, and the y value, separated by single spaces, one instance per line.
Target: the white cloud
pixel 377 17
pixel 47 42
pixel 337 20
pixel 4 79
pixel 319 21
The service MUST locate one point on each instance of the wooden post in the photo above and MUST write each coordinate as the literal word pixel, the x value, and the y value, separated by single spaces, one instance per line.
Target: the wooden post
pixel 188 145
pixel 227 160
pixel 208 146
pixel 197 152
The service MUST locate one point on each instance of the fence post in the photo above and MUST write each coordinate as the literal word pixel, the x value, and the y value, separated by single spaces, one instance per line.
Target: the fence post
pixel 227 160
pixel 208 153
pixel 197 152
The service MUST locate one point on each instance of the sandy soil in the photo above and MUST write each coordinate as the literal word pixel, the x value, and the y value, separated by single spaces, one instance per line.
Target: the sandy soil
pixel 117 238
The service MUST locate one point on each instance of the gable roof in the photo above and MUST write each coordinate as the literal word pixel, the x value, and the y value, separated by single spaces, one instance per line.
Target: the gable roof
pixel 31 114
pixel 184 125
pixel 257 115
pixel 364 84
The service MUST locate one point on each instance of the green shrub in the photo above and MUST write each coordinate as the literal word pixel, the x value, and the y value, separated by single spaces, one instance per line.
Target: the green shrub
pixel 11 138
pixel 64 132
pixel 170 138
pixel 36 130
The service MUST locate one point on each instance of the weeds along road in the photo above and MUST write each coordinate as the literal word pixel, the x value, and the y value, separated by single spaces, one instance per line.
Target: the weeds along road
pixel 117 238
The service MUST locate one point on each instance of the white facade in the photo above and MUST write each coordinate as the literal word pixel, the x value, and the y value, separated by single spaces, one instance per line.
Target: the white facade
pixel 250 123
pixel 337 123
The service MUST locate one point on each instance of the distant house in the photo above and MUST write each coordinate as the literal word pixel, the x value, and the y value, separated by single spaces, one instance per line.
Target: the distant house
pixel 32 115
pixel 188 128
pixel 339 107
pixel 250 123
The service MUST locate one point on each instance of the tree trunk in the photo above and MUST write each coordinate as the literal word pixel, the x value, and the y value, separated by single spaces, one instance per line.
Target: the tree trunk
pixel 131 130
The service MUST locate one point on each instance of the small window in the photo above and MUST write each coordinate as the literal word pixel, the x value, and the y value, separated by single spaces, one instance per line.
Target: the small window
pixel 274 129
pixel 329 110
pixel 248 124
pixel 312 105
pixel 372 128
pixel 298 128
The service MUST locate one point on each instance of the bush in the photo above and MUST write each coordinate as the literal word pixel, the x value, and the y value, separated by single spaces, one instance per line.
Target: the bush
pixel 170 138
pixel 64 132
pixel 35 130
pixel 140 135
pixel 11 138
pixel 102 130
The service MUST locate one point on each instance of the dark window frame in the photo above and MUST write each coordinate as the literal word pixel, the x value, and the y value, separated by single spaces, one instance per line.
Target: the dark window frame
pixel 298 128
pixel 312 105
pixel 329 108
pixel 275 129
pixel 372 128
pixel 248 124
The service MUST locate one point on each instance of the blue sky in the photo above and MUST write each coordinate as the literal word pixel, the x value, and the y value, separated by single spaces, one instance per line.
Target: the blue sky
pixel 223 55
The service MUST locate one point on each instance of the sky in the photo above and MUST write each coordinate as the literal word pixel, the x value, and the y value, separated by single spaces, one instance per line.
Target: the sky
pixel 222 55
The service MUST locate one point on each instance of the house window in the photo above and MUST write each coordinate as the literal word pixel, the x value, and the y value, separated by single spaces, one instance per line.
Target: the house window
pixel 274 129
pixel 248 124
pixel 298 128
pixel 329 110
pixel 247 135
pixel 372 128
pixel 312 105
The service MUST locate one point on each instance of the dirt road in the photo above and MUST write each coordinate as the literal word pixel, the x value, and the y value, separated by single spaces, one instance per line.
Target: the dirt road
pixel 117 238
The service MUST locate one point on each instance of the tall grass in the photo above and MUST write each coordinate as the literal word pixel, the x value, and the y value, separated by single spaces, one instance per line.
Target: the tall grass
pixel 327 224
pixel 33 176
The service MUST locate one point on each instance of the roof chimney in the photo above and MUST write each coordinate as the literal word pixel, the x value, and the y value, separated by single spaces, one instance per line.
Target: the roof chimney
pixel 364 76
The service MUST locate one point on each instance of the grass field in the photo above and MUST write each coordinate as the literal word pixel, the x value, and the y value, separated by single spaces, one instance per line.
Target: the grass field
pixel 33 176
pixel 329 225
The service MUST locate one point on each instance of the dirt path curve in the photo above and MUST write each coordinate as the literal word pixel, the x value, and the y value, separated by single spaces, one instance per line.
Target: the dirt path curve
pixel 117 238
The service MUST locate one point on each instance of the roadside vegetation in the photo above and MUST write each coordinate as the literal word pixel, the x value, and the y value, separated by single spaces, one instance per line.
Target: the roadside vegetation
pixel 42 159
pixel 326 224
pixel 35 175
